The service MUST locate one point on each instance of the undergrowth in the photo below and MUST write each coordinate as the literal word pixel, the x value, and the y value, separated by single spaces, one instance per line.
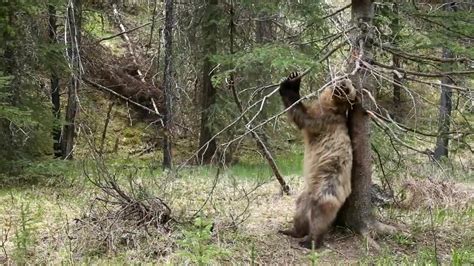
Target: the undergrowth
pixel 234 217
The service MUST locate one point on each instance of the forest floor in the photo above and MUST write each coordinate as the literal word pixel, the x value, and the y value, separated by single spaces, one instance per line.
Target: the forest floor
pixel 237 223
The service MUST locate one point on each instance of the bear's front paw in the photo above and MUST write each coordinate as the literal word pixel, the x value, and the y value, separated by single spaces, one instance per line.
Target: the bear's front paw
pixel 290 87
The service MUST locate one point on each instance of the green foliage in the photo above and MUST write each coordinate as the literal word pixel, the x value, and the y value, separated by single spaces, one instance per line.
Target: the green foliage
pixel 197 246
pixel 314 256
pixel 14 114
pixel 464 256
pixel 404 240
pixel 27 55
pixel 25 233
pixel 277 59
pixel 258 169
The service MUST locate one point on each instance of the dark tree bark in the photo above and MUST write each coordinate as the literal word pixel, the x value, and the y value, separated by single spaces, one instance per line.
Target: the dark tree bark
pixel 397 89
pixel 264 29
pixel 357 210
pixel 54 81
pixel 356 213
pixel 167 81
pixel 445 102
pixel 106 125
pixel 207 144
pixel 73 38
pixel 11 65
pixel 397 80
pixel 445 107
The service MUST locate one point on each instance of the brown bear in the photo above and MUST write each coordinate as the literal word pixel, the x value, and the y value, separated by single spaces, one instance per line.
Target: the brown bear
pixel 327 157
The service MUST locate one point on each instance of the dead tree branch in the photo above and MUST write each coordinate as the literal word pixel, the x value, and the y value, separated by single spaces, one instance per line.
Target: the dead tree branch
pixel 96 85
pixel 125 37
pixel 123 32
pixel 262 146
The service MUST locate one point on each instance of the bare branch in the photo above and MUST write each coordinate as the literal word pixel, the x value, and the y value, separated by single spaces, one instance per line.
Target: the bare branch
pixel 423 74
pixel 122 33
pixel 418 57
pixel 261 143
pixel 337 11
pixel 92 83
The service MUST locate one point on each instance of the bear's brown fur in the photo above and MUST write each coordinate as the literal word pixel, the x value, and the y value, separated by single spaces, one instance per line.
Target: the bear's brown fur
pixel 327 157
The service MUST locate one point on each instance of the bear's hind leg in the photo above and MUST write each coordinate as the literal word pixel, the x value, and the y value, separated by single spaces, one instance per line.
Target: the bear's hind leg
pixel 321 215
pixel 300 227
pixel 300 220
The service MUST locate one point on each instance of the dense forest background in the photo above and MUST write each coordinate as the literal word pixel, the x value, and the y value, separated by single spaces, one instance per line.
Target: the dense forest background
pixel 152 131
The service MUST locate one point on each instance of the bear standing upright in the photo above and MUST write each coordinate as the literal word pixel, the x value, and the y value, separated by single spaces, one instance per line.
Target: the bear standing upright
pixel 327 157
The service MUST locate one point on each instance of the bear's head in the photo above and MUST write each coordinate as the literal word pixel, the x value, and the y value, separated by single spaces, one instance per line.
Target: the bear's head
pixel 338 96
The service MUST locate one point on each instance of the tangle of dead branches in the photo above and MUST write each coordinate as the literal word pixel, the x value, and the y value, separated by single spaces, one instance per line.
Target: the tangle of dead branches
pixel 124 211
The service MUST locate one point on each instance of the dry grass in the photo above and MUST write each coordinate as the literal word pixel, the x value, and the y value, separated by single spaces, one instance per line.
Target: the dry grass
pixel 246 216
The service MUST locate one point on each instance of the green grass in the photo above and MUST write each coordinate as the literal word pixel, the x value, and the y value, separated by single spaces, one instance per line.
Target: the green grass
pixel 288 165
pixel 41 218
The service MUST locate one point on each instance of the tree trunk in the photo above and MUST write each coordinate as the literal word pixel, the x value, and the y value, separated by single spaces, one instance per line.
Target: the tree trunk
pixel 397 90
pixel 54 81
pixel 106 125
pixel 397 80
pixel 445 102
pixel 207 144
pixel 167 81
pixel 264 29
pixel 73 38
pixel 445 106
pixel 356 212
pixel 127 40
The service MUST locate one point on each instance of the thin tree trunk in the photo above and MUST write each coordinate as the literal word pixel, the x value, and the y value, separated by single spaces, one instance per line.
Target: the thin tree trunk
pixel 55 96
pixel 73 38
pixel 397 80
pixel 397 89
pixel 356 212
pixel 106 125
pixel 264 29
pixel 445 107
pixel 127 40
pixel 261 142
pixel 207 144
pixel 167 81
pixel 445 102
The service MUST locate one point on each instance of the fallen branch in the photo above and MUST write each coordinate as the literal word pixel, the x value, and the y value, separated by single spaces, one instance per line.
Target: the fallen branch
pixel 96 85
pixel 123 32
pixel 337 11
pixel 127 40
